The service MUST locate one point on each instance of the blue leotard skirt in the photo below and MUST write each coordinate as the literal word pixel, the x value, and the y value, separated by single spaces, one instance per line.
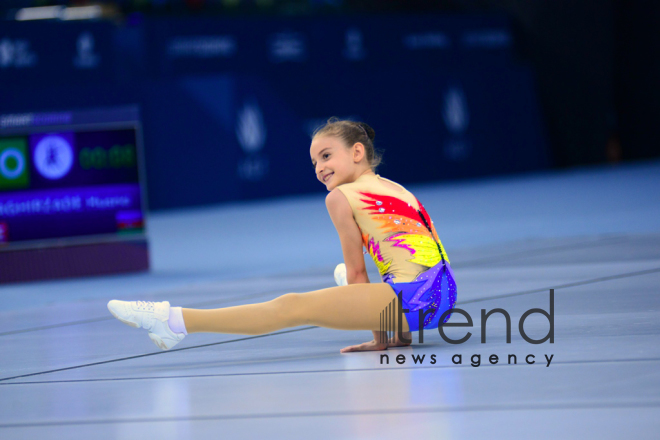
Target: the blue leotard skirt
pixel 434 290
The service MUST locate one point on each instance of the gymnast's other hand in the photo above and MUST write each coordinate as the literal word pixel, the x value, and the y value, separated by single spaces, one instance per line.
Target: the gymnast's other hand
pixel 366 346
pixel 375 346
pixel 340 275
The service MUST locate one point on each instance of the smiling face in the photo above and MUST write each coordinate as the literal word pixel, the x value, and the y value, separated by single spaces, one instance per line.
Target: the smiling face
pixel 335 164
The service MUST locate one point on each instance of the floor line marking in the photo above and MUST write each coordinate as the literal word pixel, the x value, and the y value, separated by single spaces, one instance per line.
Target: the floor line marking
pixel 564 286
pixel 153 354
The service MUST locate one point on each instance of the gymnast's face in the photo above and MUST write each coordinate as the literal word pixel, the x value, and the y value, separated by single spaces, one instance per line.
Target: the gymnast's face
pixel 335 164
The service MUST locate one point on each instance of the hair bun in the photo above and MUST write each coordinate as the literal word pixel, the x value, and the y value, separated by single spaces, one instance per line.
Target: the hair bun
pixel 370 131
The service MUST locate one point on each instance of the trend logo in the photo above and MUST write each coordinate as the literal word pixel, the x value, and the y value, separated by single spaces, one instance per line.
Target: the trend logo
pixel 53 157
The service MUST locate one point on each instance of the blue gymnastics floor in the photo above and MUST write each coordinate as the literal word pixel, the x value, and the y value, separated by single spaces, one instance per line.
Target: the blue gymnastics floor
pixel 70 370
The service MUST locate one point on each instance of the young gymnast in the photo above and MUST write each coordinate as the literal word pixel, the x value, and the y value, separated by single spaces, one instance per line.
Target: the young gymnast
pixel 367 210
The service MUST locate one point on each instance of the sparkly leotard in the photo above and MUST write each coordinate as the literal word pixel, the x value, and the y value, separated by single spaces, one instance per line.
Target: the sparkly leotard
pixel 400 237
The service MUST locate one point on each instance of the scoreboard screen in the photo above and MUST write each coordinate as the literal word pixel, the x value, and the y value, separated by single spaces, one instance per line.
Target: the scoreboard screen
pixel 70 177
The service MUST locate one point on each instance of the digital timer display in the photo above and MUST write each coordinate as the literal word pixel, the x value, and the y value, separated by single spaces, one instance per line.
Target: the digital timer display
pixel 71 181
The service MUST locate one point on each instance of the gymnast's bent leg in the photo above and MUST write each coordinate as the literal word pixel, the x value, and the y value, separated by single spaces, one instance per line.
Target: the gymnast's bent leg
pixel 351 307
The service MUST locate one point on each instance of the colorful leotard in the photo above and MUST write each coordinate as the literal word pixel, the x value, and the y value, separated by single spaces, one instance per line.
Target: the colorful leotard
pixel 400 237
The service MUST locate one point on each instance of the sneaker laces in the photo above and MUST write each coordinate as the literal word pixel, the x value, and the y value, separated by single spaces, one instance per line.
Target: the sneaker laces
pixel 146 306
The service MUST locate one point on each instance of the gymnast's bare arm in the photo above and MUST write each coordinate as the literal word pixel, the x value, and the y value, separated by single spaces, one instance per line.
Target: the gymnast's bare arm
pixel 349 236
pixel 356 272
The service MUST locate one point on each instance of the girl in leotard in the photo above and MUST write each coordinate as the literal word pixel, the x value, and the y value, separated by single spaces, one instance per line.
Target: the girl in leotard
pixel 368 211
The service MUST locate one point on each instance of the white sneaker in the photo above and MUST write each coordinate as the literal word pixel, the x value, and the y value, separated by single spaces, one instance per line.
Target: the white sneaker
pixel 151 316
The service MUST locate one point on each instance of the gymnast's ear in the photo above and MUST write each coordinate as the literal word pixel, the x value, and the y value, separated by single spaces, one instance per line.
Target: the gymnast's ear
pixel 358 151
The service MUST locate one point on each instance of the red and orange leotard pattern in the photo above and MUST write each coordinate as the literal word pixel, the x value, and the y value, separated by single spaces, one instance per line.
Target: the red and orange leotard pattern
pixel 401 238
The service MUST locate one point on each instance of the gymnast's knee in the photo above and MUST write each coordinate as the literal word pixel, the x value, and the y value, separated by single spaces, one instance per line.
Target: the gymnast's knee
pixel 290 308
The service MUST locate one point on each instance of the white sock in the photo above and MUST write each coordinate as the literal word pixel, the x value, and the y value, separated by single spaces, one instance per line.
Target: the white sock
pixel 175 322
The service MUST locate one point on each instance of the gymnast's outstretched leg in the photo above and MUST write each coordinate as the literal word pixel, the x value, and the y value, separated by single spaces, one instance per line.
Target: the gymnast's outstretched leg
pixel 351 307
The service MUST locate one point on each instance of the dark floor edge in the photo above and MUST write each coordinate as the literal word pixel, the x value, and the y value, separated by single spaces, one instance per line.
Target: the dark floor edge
pixel 475 408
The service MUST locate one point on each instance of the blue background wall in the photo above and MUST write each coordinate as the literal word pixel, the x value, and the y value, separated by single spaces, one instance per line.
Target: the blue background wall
pixel 228 105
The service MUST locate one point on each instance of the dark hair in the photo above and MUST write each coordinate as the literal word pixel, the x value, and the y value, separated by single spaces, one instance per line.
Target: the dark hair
pixel 351 132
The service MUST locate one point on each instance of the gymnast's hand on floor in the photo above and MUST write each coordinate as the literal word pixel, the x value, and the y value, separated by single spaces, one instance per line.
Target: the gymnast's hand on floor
pixel 375 345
